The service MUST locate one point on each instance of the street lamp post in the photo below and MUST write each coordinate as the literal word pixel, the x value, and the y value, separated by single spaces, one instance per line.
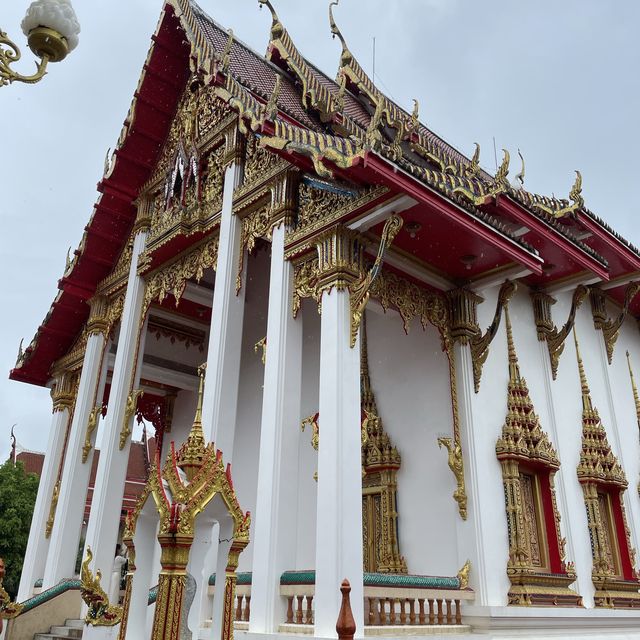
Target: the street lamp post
pixel 52 29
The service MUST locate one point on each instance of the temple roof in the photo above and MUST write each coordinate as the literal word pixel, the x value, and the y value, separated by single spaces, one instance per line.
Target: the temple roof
pixel 343 129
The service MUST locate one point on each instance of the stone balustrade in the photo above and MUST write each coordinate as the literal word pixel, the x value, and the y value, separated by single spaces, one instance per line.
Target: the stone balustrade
pixel 393 604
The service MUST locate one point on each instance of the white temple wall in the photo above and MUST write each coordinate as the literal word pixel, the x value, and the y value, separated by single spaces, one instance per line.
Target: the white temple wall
pixel 244 470
pixel 410 379
pixel 307 456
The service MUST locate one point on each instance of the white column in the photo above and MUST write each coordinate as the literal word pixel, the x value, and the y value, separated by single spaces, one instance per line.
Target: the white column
pixel 65 537
pixel 38 545
pixel 104 519
pixel 225 337
pixel 470 532
pixel 146 543
pixel 274 542
pixel 339 520
pixel 223 544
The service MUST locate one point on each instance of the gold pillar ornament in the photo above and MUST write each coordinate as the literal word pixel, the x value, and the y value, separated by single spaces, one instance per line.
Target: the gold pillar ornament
pixel 64 391
pixel 464 324
pixel 603 483
pixel 129 411
pixel 261 347
pixel 547 330
pixel 191 478
pixel 92 424
pixel 101 613
pixel 610 327
pixel 537 567
pixel 456 464
pixel 52 509
pixel 381 462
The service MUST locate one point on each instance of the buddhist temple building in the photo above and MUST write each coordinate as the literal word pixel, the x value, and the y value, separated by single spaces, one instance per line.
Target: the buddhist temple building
pixel 361 355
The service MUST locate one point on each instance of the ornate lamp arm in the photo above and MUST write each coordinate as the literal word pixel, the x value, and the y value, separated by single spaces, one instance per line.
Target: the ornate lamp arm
pixel 10 53
pixel 52 29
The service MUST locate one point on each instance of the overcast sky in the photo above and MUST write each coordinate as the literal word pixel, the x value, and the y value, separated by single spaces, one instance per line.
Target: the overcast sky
pixel 557 79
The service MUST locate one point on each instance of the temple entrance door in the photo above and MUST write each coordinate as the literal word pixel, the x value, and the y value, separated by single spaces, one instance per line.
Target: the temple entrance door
pixel 371 529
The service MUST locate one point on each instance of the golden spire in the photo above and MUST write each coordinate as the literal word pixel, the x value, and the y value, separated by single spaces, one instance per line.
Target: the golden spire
pixel 191 453
pixel 514 369
pixel 367 398
pixel 597 461
pixel 636 399
pixel 522 434
pixel 587 405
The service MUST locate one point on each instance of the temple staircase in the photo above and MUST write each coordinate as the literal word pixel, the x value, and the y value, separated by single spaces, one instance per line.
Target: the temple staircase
pixel 70 629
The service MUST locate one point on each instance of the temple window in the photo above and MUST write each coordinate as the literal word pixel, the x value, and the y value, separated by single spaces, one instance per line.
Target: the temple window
pixel 536 566
pixel 603 484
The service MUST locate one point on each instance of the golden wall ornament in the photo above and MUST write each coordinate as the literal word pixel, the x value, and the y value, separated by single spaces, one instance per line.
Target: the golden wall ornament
pixel 456 464
pixel 463 575
pixel 381 462
pixel 190 479
pixel 547 330
pixel 536 567
pixel 603 483
pixel 610 327
pixel 92 424
pixel 464 324
pixel 360 291
pixel 101 613
pixel 52 509
pixel 129 411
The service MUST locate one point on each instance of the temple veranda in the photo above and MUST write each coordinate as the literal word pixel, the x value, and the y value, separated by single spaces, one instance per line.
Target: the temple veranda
pixel 362 356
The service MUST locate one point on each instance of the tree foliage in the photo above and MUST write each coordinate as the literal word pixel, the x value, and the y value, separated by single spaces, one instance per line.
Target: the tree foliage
pixel 18 491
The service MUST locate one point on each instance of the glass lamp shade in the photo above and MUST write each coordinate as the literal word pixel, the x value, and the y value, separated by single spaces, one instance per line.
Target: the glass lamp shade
pixel 52 28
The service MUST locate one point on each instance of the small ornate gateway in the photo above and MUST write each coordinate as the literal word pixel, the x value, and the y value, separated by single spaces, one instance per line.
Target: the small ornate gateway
pixel 191 479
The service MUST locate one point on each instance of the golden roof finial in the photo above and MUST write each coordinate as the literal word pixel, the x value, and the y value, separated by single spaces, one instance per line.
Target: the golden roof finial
pixel 503 169
pixel 636 399
pixel 520 176
pixel 346 56
pixel 271 108
pixel 226 54
pixel 586 392
pixel 192 452
pixel 415 116
pixel 276 26
pixel 514 369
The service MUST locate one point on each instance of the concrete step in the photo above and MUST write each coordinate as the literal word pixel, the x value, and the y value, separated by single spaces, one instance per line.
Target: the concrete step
pixel 71 629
